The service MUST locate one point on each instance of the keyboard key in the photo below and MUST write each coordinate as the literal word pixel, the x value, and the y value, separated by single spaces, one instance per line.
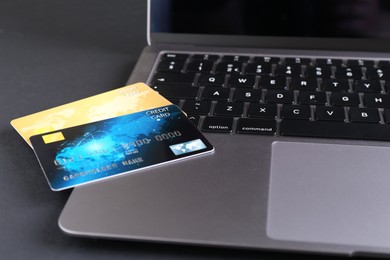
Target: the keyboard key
pixel 384 63
pixel 324 72
pixel 193 107
pixel 218 124
pixel 269 82
pixel 234 58
pixel 386 115
pixel 378 73
pixel 324 113
pixel 256 126
pixel 266 60
pixel 367 86
pixel 332 62
pixel 303 84
pixel 175 56
pixel 240 81
pixel 360 63
pixel 194 119
pixel 229 67
pixel 173 78
pixel 296 112
pixel 335 130
pixel 376 100
pixel 216 93
pixel 297 61
pixel 280 96
pixel 349 73
pixel 335 85
pixel 344 99
pixel 205 57
pixel 177 91
pixel 170 66
pixel 259 69
pixel 289 70
pixel 200 66
pixel 211 80
pixel 229 108
pixel 364 115
pixel 262 110
pixel 312 98
pixel 247 95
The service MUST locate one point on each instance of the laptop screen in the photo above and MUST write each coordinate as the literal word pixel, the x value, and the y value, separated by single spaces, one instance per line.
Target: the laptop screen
pixel 299 18
pixel 313 20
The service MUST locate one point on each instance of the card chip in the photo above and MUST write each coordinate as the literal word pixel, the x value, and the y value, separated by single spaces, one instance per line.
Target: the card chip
pixel 51 138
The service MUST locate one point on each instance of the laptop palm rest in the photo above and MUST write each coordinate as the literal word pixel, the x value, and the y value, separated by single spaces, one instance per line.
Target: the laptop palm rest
pixel 334 194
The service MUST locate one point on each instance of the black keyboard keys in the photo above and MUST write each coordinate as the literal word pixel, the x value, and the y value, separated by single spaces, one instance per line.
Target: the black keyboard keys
pixel 368 86
pixel 270 82
pixel 364 115
pixel 378 73
pixel 335 85
pixel 328 61
pixel 325 97
pixel 262 110
pixel 205 57
pixel 324 72
pixel 200 66
pixel 377 100
pixel 289 70
pixel 361 63
pixel 303 84
pixel 324 113
pixel 168 78
pixel 344 99
pixel 296 112
pixel 240 81
pixel 299 61
pixel 175 56
pixel 229 109
pixel 216 93
pixel 218 124
pixel 259 69
pixel 235 58
pixel 247 95
pixel 177 91
pixel 194 107
pixel 280 96
pixel 229 67
pixel 170 66
pixel 349 73
pixel 211 80
pixel 267 60
pixel 312 98
pixel 256 126
pixel 194 119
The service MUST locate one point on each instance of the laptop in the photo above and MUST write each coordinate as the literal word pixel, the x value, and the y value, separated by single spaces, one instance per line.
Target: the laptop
pixel 294 95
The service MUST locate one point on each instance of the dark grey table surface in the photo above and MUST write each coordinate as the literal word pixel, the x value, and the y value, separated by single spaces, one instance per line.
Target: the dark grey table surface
pixel 53 52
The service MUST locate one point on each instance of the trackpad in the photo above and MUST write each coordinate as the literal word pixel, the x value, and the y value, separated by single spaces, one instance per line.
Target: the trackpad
pixel 327 193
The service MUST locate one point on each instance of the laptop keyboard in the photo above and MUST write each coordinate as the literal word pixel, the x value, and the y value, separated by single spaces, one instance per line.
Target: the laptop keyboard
pixel 331 98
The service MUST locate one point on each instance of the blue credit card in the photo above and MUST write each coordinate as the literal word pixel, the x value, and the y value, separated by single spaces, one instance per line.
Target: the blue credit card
pixel 94 151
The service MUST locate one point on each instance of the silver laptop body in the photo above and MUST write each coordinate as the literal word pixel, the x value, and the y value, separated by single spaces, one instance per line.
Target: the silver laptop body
pixel 275 192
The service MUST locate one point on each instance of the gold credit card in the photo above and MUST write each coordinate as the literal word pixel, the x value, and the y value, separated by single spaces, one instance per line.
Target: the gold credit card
pixel 118 102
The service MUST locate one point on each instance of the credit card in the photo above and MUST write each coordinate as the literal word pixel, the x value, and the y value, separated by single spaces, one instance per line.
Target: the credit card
pixel 121 101
pixel 107 148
